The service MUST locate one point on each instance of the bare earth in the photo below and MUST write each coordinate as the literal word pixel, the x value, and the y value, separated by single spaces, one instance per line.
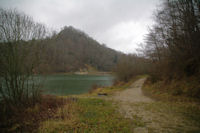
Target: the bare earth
pixel 133 94
pixel 151 116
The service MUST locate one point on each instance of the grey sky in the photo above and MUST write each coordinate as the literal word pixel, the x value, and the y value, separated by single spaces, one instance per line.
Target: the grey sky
pixel 120 24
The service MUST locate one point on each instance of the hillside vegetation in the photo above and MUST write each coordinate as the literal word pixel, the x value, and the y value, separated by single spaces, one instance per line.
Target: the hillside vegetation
pixel 71 50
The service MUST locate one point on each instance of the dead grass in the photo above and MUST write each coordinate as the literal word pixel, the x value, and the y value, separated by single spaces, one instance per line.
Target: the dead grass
pixel 87 115
pixel 19 119
pixel 167 117
pixel 173 111
pixel 172 91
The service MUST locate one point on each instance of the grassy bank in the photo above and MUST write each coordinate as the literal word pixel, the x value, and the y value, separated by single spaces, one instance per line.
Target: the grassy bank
pixel 172 111
pixel 66 114
pixel 17 119
pixel 87 115
pixel 184 90
pixel 55 115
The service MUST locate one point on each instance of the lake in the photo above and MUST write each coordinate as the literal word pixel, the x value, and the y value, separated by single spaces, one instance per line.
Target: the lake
pixel 65 84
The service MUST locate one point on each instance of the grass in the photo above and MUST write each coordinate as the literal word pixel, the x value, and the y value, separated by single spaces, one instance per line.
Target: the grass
pixel 62 113
pixel 27 119
pixel 92 115
pixel 168 116
pixel 87 115
pixel 172 92
pixel 180 111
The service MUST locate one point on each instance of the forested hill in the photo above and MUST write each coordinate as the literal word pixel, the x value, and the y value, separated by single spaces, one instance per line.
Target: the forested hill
pixel 72 50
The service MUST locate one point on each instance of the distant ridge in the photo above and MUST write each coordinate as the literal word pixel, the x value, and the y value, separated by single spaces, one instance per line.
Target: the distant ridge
pixel 71 50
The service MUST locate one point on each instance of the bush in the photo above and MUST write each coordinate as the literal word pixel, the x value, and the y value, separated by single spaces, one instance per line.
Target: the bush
pixel 18 58
pixel 130 66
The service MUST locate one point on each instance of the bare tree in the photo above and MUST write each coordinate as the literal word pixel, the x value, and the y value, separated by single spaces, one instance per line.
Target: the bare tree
pixel 19 55
pixel 174 39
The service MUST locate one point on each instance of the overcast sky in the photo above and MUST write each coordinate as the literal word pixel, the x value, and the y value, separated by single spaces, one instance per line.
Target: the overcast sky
pixel 120 24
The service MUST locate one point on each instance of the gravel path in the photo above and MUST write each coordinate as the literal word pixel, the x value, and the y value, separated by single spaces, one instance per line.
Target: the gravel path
pixel 151 116
pixel 133 94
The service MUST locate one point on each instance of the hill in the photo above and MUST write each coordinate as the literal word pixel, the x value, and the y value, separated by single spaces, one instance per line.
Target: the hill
pixel 72 50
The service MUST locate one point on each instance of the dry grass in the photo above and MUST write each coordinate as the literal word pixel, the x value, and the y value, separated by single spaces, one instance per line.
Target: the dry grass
pixel 167 117
pixel 172 91
pixel 87 115
pixel 18 119
pixel 172 112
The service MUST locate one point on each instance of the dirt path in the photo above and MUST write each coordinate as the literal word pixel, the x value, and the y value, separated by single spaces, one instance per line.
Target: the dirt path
pixel 151 116
pixel 133 94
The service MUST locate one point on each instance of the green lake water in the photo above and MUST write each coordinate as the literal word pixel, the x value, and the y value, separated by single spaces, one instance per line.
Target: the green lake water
pixel 64 84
